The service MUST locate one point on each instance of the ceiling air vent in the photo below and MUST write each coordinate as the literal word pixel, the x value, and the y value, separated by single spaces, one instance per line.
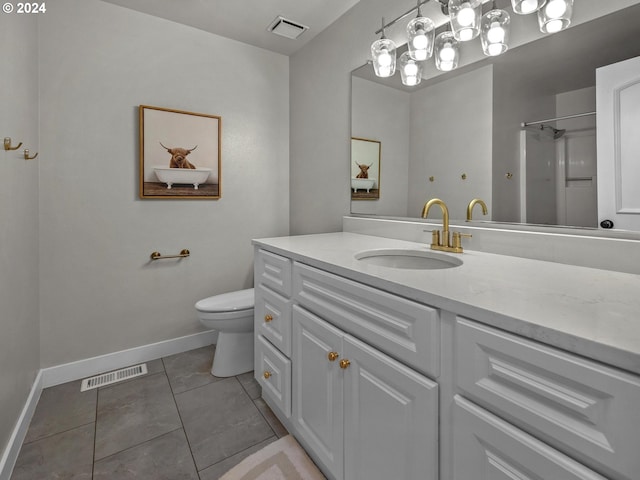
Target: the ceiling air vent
pixel 286 28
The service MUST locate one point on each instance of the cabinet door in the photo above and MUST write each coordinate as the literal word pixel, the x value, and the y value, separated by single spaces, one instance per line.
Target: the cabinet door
pixel 317 389
pixel 391 418
pixel 488 448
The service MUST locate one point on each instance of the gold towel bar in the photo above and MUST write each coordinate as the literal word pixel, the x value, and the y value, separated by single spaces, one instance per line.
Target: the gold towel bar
pixel 158 256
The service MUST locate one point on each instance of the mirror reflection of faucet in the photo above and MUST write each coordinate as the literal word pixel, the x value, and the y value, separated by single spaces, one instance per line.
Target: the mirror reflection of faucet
pixel 472 204
pixel 442 241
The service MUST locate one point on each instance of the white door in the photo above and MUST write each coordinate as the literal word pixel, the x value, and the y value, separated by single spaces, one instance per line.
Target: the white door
pixel 317 388
pixel 618 107
pixel 390 418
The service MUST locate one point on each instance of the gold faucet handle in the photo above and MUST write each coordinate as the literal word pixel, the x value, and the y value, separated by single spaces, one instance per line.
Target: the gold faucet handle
pixel 457 239
pixel 435 237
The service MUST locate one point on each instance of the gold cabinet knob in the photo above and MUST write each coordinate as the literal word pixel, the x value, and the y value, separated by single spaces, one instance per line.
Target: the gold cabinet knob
pixel 332 356
pixel 268 318
pixel 344 363
pixel 267 374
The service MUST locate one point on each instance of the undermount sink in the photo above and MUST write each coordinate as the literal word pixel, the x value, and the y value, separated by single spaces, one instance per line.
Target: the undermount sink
pixel 408 259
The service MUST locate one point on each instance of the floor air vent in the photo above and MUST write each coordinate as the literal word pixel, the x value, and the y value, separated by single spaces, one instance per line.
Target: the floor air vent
pixel 113 377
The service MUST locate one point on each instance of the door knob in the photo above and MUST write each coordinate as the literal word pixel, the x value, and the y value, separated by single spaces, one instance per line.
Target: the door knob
pixel 332 356
pixel 344 363
pixel 267 374
pixel 268 318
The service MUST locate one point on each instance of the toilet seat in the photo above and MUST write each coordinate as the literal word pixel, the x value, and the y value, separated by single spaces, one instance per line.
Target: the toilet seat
pixel 240 300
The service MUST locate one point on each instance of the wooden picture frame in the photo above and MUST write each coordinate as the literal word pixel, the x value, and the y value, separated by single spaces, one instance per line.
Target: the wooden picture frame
pixel 365 169
pixel 180 154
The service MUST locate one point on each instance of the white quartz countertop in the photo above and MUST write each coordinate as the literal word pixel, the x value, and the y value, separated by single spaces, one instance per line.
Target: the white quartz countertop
pixel 591 312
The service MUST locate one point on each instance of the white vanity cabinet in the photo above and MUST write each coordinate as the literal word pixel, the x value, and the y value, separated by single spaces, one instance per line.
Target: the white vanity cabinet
pixel 575 412
pixel 272 326
pixel 363 414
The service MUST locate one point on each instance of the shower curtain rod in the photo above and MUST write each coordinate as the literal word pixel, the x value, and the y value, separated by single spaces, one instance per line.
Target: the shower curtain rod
pixel 566 117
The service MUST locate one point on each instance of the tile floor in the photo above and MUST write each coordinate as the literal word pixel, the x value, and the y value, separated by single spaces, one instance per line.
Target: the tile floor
pixel 177 422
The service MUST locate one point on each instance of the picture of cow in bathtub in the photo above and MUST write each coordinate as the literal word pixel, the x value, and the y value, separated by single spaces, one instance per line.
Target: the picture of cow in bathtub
pixel 179 154
pixel 365 169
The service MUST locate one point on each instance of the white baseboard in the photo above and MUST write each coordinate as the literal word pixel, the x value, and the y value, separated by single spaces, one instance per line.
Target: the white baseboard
pixel 10 454
pixel 112 361
pixel 48 377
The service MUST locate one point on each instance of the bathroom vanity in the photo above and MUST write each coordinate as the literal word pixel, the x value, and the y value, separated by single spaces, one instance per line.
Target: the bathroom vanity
pixel 448 373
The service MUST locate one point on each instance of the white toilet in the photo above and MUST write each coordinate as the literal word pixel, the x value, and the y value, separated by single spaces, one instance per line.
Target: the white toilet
pixel 231 314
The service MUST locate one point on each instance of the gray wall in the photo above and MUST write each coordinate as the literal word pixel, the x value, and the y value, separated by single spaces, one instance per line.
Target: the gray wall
pixel 19 322
pixel 99 292
pixel 451 136
pixel 382 113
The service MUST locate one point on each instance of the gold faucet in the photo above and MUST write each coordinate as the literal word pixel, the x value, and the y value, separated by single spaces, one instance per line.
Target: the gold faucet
pixel 472 204
pixel 443 242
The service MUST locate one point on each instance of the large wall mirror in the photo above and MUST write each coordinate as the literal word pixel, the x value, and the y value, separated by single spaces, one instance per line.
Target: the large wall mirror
pixel 459 136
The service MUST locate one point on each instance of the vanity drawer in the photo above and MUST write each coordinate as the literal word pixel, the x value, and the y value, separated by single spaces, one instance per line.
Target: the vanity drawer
pixel 488 448
pixel 273 318
pixel 586 409
pixel 405 330
pixel 273 373
pixel 273 271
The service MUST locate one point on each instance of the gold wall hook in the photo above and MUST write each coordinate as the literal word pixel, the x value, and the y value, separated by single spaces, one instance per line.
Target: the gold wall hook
pixel 463 176
pixel 7 144
pixel 509 175
pixel 432 178
pixel 26 154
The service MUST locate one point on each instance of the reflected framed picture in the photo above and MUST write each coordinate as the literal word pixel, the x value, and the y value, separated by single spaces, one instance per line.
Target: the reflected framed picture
pixel 180 154
pixel 365 169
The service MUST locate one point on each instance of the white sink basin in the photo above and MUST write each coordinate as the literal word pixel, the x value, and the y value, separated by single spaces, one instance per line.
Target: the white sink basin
pixel 408 259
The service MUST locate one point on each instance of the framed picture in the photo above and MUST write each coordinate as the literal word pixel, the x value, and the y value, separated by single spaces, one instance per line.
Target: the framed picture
pixel 365 169
pixel 179 154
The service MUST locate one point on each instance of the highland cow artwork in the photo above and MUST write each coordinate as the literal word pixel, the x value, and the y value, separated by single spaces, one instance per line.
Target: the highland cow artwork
pixel 365 169
pixel 179 154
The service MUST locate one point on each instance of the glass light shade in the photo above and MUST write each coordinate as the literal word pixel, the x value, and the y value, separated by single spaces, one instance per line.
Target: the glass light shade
pixel 383 54
pixel 465 18
pixel 494 33
pixel 447 51
pixel 410 70
pixel 555 15
pixel 524 7
pixel 421 34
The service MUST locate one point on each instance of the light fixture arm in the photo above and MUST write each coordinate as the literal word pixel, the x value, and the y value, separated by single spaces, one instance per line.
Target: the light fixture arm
pixel 397 19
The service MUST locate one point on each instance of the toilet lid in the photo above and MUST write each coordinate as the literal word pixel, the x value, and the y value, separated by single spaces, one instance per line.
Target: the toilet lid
pixel 227 302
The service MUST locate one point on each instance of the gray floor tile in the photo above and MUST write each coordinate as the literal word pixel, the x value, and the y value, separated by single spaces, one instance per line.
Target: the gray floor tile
pixel 271 418
pixel 220 420
pixel 250 385
pixel 61 408
pixel 164 458
pixel 67 455
pixel 133 412
pixel 214 472
pixel 190 369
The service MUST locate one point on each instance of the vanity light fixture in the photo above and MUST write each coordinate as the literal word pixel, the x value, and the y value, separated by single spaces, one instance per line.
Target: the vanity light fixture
pixel 383 54
pixel 421 32
pixel 447 51
pixel 410 70
pixel 524 7
pixel 555 15
pixel 494 34
pixel 466 22
pixel 465 18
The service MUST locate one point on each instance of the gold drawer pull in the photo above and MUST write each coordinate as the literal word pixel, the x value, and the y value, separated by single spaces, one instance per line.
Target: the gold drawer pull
pixel 344 363
pixel 332 356
pixel 267 374
pixel 268 318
